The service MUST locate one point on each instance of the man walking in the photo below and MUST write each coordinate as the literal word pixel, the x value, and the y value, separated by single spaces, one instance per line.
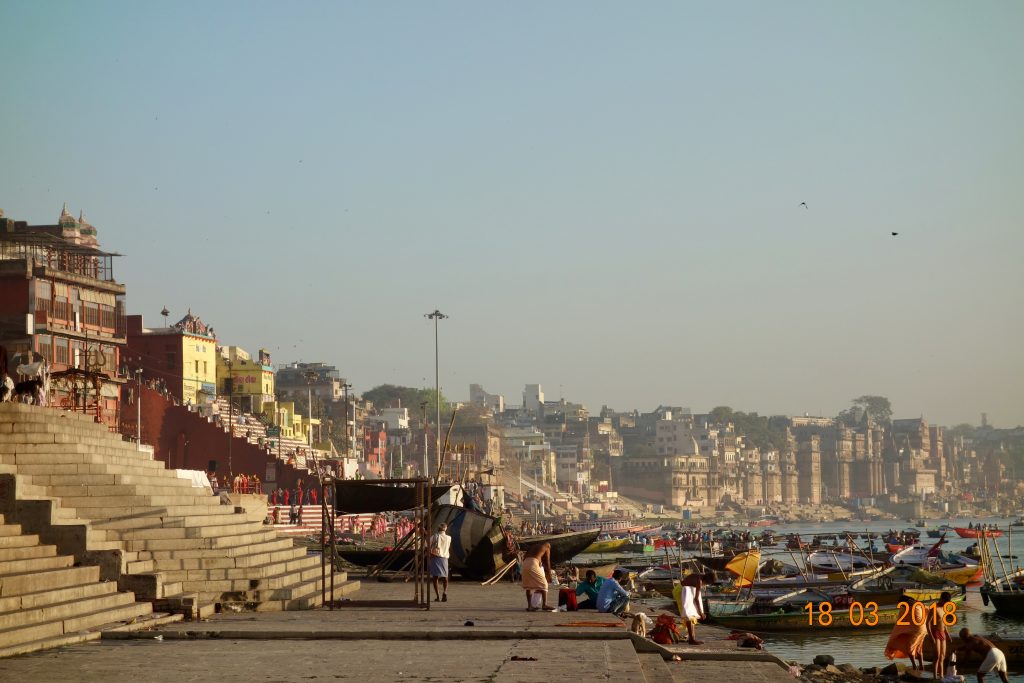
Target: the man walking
pixel 440 544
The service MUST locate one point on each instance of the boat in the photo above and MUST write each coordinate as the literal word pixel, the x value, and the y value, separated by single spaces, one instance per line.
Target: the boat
pixel 964 532
pixel 1008 602
pixel 717 607
pixel 660 543
pixel 959 569
pixel 1017 522
pixel 800 620
pixel 365 497
pixel 565 546
pixel 889 585
pixel 606 546
pixel 832 561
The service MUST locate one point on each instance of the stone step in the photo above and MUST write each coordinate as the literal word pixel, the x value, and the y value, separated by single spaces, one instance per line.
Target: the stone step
pixel 238 551
pixel 108 479
pixel 10 530
pixel 17 540
pixel 654 668
pixel 210 543
pixel 47 462
pixel 133 610
pixel 55 595
pixel 64 610
pixel 47 579
pixel 27 553
pixel 34 565
pixel 164 521
pixel 117 513
pixel 82 503
pixel 255 571
pixel 282 580
pixel 195 531
pixel 126 490
pixel 283 555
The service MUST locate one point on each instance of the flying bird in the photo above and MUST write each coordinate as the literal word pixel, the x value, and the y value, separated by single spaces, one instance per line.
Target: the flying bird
pixel 894 234
pixel 803 204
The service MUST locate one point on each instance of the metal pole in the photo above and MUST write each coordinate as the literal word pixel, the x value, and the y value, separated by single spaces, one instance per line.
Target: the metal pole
pixel 426 460
pixel 138 408
pixel 231 411
pixel 437 316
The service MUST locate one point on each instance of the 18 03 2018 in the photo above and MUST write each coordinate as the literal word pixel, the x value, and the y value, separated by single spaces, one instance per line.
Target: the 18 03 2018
pixel 869 614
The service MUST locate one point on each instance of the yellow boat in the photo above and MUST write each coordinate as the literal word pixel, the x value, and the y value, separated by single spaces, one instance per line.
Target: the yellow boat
pixel 606 546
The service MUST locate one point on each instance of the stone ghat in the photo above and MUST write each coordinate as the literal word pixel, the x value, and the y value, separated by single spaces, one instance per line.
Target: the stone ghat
pixel 108 505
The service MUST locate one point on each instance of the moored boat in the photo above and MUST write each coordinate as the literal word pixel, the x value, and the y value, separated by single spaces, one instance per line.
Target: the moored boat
pixel 957 568
pixel 565 546
pixel 965 532
pixel 606 546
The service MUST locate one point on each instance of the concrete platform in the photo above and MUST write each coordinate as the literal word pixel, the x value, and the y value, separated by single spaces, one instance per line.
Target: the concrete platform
pixel 388 644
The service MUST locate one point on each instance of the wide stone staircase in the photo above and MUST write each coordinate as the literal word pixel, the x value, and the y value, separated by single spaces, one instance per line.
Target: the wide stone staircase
pixel 48 601
pixel 112 506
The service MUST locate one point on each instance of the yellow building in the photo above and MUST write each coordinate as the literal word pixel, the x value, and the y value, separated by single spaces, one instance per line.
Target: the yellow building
pixel 181 357
pixel 248 381
pixel 294 426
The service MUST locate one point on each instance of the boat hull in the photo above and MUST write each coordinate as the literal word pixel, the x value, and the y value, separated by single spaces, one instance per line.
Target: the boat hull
pixel 1007 603
pixel 798 621
pixel 977 533
pixel 606 546
pixel 564 547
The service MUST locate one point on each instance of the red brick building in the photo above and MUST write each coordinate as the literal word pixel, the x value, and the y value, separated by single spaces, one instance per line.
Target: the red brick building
pixel 59 303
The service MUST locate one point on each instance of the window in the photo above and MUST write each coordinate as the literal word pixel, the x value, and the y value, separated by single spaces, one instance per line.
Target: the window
pixel 46 346
pixel 62 354
pixel 197 367
pixel 204 368
pixel 170 360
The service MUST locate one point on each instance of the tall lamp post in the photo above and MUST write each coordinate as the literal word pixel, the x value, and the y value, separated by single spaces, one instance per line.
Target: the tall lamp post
pixel 231 411
pixel 311 377
pixel 138 408
pixel 426 460
pixel 437 316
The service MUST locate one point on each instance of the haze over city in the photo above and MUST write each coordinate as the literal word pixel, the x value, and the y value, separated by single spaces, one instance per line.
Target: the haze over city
pixel 605 201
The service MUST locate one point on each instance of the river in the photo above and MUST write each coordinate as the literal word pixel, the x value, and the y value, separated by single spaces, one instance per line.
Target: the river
pixel 865 648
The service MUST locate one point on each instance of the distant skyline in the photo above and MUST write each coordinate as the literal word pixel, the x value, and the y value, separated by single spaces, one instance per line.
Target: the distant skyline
pixel 603 197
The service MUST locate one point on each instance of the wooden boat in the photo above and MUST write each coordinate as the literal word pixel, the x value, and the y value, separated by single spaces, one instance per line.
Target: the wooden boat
pixel 964 532
pixel 889 585
pixel 607 546
pixel 1006 593
pixel 837 561
pixel 565 546
pixel 724 607
pixel 957 568
pixel 368 497
pixel 660 543
pixel 796 621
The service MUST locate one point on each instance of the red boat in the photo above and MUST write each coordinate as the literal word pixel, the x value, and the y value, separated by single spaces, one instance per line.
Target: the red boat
pixel 660 543
pixel 895 548
pixel 964 532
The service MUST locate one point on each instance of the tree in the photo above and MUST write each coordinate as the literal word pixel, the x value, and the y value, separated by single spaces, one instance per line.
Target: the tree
pixel 877 407
pixel 393 396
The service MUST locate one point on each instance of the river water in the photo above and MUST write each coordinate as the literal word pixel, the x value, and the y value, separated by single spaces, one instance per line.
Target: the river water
pixel 865 648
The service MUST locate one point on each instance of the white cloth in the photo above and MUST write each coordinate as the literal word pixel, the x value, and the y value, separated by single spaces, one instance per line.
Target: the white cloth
pixel 995 660
pixel 689 603
pixel 440 544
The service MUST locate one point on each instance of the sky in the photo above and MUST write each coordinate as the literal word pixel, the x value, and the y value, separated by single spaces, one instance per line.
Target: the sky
pixel 604 197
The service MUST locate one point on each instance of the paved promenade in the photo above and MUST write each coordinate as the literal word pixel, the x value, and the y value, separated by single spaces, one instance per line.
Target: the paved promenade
pixel 505 644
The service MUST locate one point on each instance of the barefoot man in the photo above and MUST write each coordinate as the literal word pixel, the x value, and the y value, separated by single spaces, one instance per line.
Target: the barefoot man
pixel 536 574
pixel 440 544
pixel 994 659
pixel 691 606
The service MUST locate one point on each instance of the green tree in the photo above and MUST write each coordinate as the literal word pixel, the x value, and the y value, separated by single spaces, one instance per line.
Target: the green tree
pixel 393 396
pixel 877 407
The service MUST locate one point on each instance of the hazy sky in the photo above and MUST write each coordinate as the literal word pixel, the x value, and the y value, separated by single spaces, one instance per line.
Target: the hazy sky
pixel 602 196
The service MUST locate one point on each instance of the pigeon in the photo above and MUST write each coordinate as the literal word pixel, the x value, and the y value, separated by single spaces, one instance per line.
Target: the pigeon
pixel 894 234
pixel 803 204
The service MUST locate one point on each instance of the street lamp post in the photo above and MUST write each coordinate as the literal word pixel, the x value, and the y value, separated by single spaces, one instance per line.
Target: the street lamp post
pixel 231 410
pixel 426 460
pixel 138 408
pixel 437 316
pixel 310 378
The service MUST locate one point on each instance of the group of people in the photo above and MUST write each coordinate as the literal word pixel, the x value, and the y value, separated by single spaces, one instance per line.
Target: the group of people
pixel 909 636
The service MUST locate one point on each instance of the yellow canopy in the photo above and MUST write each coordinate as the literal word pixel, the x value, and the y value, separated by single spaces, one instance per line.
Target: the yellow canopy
pixel 744 567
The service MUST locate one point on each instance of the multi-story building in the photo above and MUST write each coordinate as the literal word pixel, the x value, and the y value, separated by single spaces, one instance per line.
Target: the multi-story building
pixel 294 380
pixel 246 381
pixel 533 398
pixel 495 403
pixel 60 304
pixel 181 357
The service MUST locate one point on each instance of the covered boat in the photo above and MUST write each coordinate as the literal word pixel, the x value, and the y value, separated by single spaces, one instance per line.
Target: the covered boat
pixel 362 497
pixel 830 561
pixel 959 569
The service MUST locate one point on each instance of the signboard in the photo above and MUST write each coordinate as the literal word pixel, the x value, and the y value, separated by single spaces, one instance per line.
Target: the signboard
pixel 208 388
pixel 274 431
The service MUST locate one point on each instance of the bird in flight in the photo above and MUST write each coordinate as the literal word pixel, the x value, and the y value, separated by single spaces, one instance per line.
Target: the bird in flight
pixel 803 204
pixel 894 234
